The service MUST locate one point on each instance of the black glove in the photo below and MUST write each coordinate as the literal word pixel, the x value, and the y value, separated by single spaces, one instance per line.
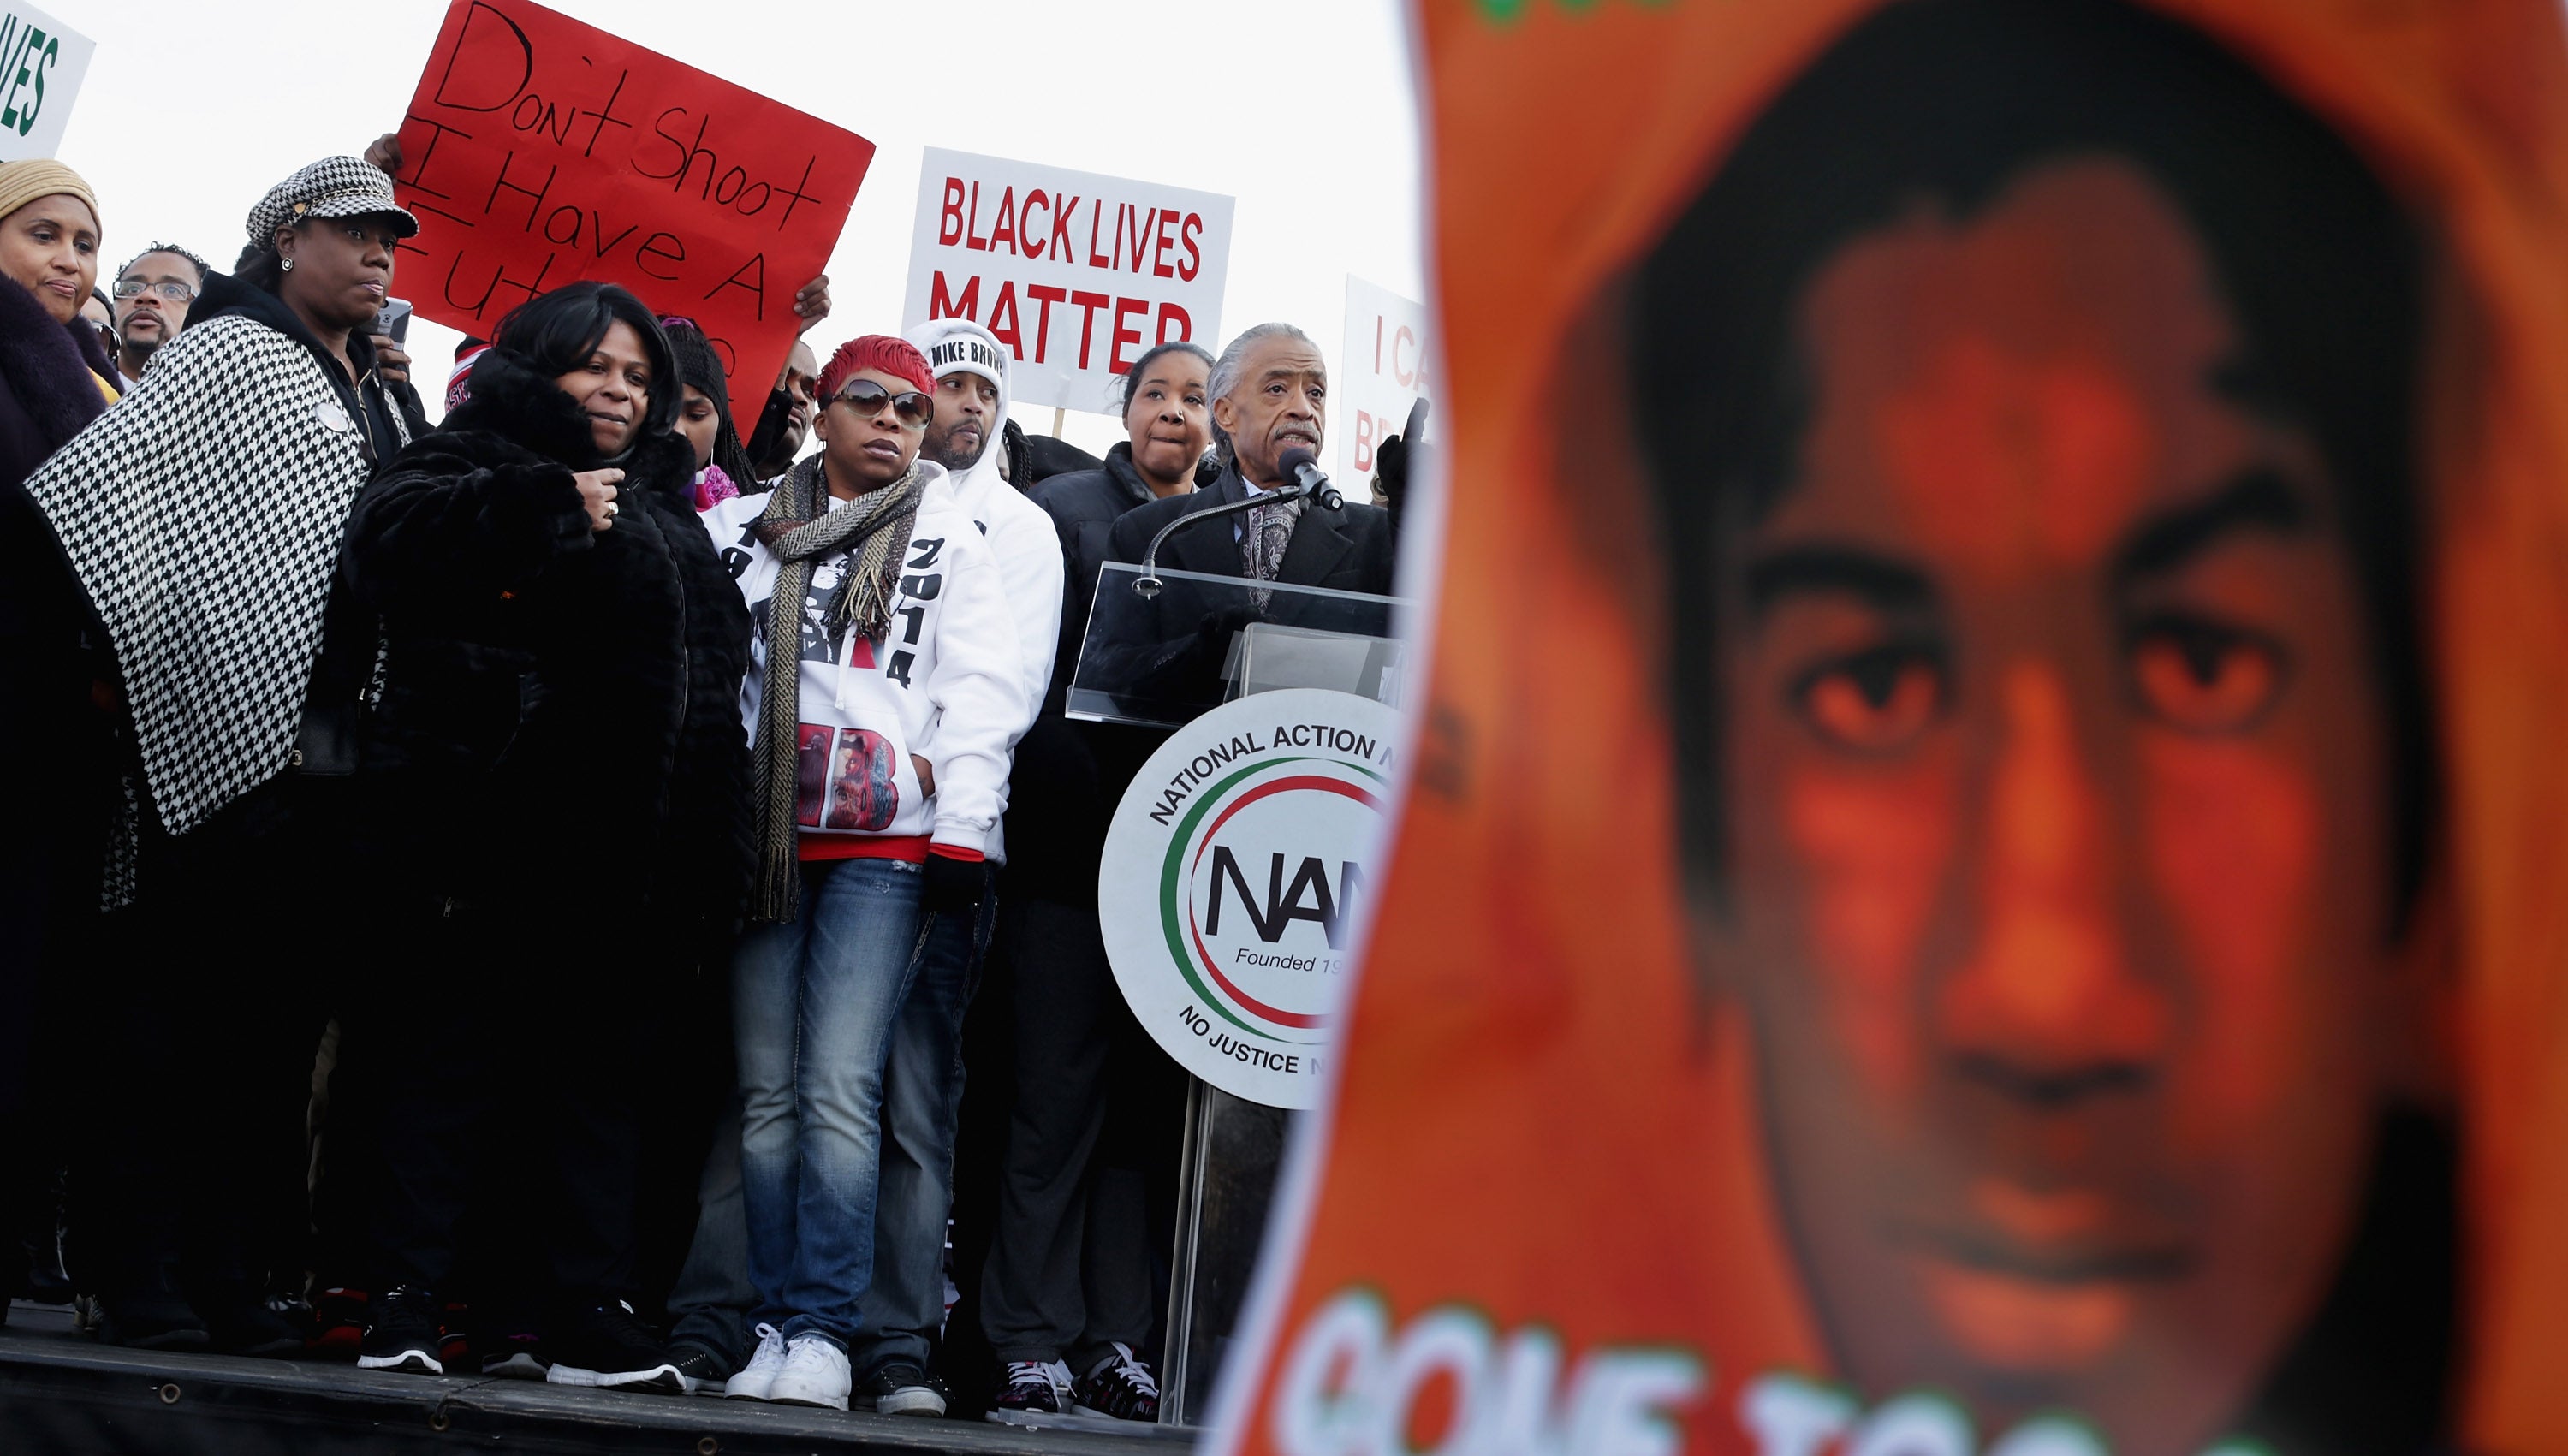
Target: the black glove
pixel 1215 630
pixel 1208 651
pixel 1390 471
pixel 1394 461
pixel 947 883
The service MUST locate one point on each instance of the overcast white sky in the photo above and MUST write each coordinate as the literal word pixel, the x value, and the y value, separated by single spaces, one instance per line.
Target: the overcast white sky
pixel 1303 114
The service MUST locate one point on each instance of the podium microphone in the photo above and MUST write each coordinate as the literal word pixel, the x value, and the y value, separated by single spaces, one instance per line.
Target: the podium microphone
pixel 1303 470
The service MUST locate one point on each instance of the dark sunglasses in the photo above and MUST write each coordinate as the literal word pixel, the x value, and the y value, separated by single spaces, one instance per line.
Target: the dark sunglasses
pixel 913 407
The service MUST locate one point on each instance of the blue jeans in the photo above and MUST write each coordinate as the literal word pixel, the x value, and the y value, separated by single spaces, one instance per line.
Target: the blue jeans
pixel 923 1095
pixel 814 1004
pixel 710 1303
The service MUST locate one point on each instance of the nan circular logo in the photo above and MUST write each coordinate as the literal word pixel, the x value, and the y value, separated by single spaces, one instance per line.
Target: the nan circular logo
pixel 1232 876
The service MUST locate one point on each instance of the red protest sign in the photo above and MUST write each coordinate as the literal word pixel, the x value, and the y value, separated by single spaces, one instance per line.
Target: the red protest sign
pixel 540 151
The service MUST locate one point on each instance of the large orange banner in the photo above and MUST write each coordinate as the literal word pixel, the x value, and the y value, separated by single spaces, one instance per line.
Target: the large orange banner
pixel 1987 865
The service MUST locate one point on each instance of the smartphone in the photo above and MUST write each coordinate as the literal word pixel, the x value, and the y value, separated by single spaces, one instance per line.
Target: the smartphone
pixel 393 319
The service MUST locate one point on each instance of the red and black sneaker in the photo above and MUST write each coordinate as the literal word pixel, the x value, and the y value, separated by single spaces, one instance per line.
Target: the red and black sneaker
pixel 455 1344
pixel 1119 1386
pixel 1032 1394
pixel 339 1323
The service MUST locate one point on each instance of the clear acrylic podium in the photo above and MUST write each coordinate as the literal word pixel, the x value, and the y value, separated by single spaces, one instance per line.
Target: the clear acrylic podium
pixel 1159 659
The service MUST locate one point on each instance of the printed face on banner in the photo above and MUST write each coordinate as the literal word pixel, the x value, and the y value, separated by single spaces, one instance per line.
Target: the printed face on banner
pixel 1078 274
pixel 1976 806
pixel 1385 375
pixel 2048 652
pixel 2054 761
pixel 540 151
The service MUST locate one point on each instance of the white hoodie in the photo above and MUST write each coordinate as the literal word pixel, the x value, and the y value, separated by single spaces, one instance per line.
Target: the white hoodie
pixel 1020 534
pixel 944 683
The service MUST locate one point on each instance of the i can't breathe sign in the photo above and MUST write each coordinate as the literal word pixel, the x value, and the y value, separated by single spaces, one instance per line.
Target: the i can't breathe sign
pixel 538 151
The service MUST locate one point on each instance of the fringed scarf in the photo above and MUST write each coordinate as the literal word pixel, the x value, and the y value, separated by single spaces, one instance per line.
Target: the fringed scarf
pixel 799 528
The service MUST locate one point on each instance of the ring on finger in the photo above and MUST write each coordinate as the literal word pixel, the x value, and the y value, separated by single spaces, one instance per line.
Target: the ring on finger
pixel 611 508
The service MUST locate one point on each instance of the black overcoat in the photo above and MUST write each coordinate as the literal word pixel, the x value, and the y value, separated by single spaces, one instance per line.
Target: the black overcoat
pixel 558 736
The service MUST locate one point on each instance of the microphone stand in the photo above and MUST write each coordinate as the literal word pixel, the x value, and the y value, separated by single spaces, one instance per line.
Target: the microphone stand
pixel 1148 584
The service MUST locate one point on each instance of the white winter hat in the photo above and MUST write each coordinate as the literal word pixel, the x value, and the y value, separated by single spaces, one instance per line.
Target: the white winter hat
pixel 961 346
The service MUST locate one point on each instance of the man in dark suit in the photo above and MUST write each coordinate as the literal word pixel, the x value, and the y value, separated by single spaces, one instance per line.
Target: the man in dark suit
pixel 1270 393
pixel 1171 656
pixel 1068 1292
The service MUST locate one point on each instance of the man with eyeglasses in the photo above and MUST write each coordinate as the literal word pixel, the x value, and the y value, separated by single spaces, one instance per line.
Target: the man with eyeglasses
pixel 152 297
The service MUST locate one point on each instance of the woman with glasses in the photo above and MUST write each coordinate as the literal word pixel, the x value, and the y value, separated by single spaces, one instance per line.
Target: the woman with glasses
pixel 883 700
pixel 553 801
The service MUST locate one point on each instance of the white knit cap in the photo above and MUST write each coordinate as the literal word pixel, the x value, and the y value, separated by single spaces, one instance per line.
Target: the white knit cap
pixel 960 345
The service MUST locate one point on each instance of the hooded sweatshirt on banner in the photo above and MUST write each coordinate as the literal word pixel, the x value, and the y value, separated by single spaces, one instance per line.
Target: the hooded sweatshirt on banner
pixel 944 683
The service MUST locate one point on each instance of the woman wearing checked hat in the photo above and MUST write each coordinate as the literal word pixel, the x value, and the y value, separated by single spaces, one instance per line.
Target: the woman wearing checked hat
pixel 202 519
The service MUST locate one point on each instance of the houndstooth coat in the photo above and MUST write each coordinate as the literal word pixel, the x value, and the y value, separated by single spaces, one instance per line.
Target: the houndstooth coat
pixel 203 517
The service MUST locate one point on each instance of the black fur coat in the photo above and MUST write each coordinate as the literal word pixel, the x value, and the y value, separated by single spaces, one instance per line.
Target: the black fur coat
pixel 49 376
pixel 559 738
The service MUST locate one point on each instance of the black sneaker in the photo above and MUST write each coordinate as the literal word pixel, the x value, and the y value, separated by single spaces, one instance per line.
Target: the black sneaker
pixel 403 1333
pixel 1032 1394
pixel 701 1371
pixel 247 1328
pixel 514 1356
pixel 609 1348
pixel 151 1322
pixel 1119 1386
pixel 290 1306
pixel 900 1388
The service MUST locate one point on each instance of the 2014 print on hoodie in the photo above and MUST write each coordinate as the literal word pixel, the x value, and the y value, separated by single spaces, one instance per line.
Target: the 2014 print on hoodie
pixel 1983 871
pixel 943 682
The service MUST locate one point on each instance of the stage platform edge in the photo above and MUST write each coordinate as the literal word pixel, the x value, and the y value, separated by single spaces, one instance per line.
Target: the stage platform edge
pixel 62 1394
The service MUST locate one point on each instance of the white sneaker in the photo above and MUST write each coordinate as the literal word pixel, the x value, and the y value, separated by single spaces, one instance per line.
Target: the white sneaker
pixel 757 1377
pixel 815 1373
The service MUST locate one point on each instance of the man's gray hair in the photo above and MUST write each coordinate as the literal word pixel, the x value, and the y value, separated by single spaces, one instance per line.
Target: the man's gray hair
pixel 1234 361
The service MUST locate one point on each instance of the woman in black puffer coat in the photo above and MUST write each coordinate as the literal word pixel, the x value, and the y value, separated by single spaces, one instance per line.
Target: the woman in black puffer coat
pixel 554 794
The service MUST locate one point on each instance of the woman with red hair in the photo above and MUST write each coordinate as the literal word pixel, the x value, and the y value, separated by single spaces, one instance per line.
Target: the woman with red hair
pixel 902 651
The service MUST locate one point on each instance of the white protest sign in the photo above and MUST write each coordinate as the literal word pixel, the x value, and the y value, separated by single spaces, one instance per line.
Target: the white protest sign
pixel 1384 372
pixel 1076 273
pixel 42 62
pixel 1232 871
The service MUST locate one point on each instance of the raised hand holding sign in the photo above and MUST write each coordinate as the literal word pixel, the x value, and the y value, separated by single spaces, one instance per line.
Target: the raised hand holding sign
pixel 538 151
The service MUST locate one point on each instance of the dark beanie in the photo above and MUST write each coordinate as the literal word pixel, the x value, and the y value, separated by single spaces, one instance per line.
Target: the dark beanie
pixel 699 365
pixel 701 368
